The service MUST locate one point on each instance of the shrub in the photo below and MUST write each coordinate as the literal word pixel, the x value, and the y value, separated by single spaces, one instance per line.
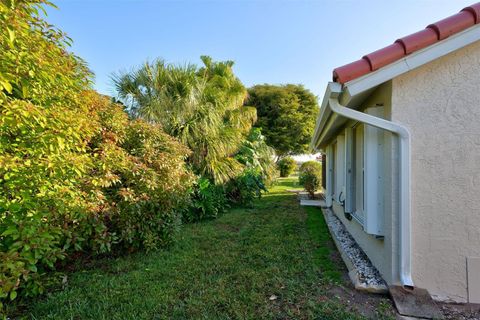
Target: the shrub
pixel 259 170
pixel 36 65
pixel 75 173
pixel 208 201
pixel 310 164
pixel 286 166
pixel 245 188
pixel 43 208
pixel 311 176
pixel 75 180
pixel 145 181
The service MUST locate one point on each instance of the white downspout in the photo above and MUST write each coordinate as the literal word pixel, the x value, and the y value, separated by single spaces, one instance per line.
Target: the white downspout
pixel 405 173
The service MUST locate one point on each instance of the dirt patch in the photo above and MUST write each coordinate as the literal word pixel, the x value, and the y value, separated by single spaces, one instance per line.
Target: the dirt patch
pixel 228 227
pixel 337 259
pixel 453 311
pixel 371 306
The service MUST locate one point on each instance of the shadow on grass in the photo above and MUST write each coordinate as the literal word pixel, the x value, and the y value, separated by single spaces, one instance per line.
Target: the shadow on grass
pixel 325 256
pixel 272 261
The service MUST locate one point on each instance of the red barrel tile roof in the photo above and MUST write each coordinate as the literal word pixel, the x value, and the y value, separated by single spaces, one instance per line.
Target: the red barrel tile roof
pixel 433 33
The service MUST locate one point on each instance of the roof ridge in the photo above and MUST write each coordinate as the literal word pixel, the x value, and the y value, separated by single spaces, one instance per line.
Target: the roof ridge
pixel 435 32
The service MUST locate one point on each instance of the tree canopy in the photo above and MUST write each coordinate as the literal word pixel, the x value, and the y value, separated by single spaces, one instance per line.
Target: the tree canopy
pixel 286 114
pixel 202 107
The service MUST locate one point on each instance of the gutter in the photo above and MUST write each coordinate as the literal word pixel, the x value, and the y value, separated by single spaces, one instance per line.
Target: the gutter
pixel 405 267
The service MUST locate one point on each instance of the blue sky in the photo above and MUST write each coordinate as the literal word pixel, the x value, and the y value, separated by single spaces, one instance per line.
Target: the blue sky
pixel 271 41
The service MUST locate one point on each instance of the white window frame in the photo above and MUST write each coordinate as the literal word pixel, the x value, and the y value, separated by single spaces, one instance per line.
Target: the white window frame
pixel 329 184
pixel 374 180
pixel 365 201
pixel 336 161
pixel 354 204
pixel 340 159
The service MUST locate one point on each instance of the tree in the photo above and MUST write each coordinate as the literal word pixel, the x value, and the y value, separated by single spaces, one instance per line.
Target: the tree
pixel 287 116
pixel 202 107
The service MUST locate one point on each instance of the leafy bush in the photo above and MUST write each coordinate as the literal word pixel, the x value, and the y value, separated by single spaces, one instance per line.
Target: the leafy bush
pixel 310 164
pixel 208 201
pixel 36 65
pixel 245 188
pixel 143 179
pixel 43 163
pixel 286 166
pixel 75 173
pixel 72 181
pixel 259 170
pixel 43 159
pixel 310 176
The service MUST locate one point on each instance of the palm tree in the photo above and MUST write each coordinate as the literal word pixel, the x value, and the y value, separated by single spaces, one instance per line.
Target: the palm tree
pixel 202 107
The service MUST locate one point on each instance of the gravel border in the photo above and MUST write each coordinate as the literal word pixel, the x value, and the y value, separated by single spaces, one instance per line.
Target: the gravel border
pixel 361 270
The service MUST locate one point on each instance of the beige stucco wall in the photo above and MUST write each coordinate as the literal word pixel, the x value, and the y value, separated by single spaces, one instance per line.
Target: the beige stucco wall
pixel 440 104
pixel 382 252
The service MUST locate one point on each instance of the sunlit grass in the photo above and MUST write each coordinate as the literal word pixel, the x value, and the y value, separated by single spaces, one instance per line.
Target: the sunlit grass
pixel 269 262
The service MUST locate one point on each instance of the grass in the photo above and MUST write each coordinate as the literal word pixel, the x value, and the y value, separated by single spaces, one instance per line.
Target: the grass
pixel 270 262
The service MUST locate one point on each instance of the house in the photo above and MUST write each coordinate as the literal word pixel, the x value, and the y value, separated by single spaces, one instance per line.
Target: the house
pixel 401 132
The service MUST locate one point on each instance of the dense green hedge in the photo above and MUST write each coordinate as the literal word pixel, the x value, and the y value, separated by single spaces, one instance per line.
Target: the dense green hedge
pixel 82 182
pixel 76 174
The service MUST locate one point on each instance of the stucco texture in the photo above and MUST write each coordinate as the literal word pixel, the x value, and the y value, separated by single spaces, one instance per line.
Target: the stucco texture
pixel 440 104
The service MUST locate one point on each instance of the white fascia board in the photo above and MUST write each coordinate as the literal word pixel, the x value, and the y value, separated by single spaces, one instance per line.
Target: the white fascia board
pixel 410 62
pixel 333 90
pixel 351 92
pixel 326 128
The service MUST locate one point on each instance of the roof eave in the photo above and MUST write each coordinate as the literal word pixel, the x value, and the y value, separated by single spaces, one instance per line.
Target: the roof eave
pixel 333 88
pixel 371 80
pixel 354 92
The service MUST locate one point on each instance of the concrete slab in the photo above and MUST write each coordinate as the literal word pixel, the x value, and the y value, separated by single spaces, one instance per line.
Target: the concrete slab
pixel 400 317
pixel 294 190
pixel 303 195
pixel 414 303
pixel 313 203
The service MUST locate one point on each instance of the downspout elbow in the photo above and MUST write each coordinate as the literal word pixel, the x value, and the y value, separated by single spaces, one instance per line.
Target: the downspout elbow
pixel 403 133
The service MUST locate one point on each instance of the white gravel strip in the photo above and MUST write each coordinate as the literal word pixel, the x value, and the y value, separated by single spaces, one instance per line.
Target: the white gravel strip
pixel 367 274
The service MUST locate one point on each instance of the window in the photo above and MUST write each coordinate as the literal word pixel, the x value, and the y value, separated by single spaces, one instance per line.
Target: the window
pixel 334 169
pixel 358 174
pixel 373 176
pixel 324 171
pixel 362 173
pixel 339 169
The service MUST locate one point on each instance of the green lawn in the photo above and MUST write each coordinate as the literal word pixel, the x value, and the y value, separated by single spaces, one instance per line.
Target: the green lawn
pixel 275 261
